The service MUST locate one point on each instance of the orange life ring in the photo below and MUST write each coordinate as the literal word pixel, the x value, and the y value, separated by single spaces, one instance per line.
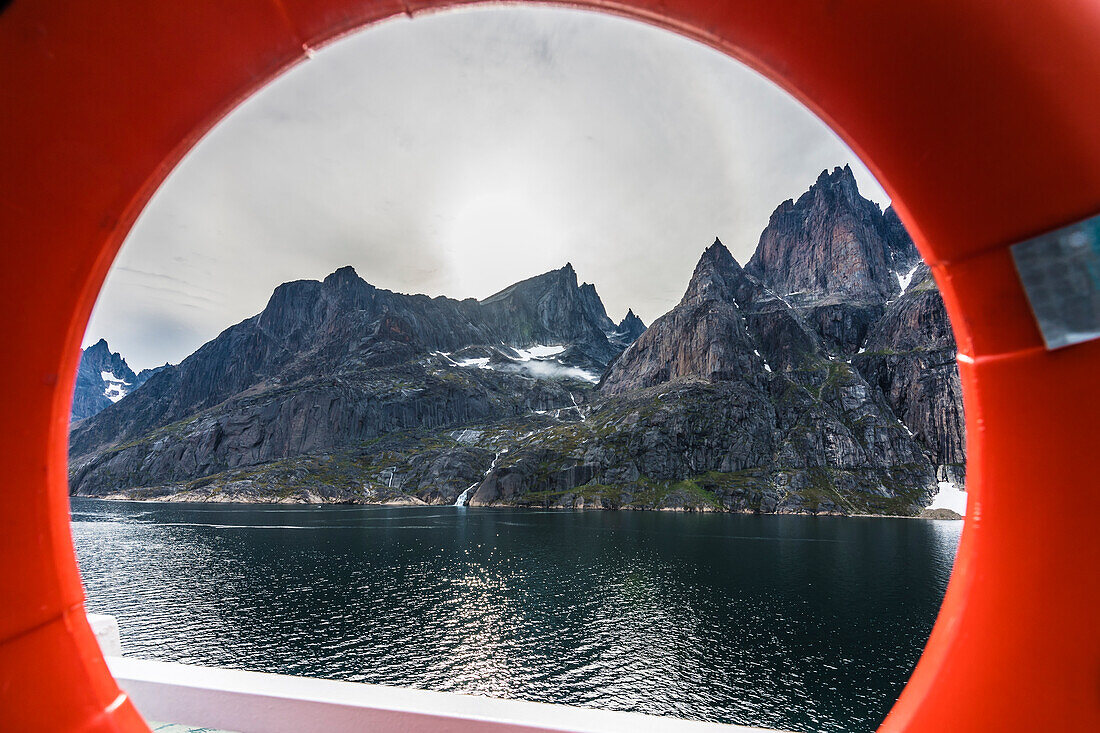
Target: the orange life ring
pixel 979 118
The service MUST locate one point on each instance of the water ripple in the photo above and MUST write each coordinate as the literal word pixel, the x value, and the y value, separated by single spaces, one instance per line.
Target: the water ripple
pixel 789 622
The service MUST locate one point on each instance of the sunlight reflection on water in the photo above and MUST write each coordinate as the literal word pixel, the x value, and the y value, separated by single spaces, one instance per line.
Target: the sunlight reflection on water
pixel 788 622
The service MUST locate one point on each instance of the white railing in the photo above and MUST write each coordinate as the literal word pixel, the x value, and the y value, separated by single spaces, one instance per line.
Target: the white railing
pixel 256 702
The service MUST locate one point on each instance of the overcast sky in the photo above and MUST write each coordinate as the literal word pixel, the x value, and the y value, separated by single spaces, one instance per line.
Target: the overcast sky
pixel 456 153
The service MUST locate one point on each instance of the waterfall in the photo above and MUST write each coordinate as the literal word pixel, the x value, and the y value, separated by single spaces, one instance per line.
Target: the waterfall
pixel 577 407
pixel 461 500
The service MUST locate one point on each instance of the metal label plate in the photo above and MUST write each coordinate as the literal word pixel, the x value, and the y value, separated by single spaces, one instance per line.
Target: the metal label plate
pixel 1060 271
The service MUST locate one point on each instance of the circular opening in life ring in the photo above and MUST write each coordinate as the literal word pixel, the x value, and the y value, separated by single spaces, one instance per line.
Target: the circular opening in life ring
pixel 980 146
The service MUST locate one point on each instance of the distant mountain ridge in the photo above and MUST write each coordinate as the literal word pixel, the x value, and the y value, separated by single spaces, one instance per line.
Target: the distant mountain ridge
pixel 340 361
pixel 102 379
pixel 817 378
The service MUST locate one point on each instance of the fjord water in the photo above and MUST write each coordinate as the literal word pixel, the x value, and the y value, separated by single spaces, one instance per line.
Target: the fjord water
pixel 800 623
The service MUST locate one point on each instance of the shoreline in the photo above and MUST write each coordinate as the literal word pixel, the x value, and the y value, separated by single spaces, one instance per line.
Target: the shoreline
pixel 399 504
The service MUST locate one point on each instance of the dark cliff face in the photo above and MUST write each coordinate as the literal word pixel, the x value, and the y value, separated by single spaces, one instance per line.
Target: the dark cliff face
pixel 900 250
pixel 719 445
pixel 841 265
pixel 910 356
pixel 836 258
pixel 102 379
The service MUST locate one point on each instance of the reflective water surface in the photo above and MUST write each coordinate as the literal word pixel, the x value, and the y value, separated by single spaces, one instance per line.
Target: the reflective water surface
pixel 791 622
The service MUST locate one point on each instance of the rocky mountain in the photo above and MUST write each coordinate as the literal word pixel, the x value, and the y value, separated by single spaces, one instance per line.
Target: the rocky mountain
pixel 102 379
pixel 818 378
pixel 628 330
pixel 835 256
pixel 553 308
pixel 704 336
pixel 730 401
pixel 340 362
pixel 854 275
pixel 833 242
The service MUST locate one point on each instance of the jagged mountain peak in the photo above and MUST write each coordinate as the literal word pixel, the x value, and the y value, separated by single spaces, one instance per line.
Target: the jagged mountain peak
pixel 836 187
pixel 100 356
pixel 553 308
pixel 629 329
pixel 839 174
pixel 720 255
pixel 345 279
pixel 717 252
pixel 715 276
pixel 832 243
pixel 304 303
pixel 347 272
pixel 102 378
pixel 702 337
pixel 564 277
pixel 840 178
pixel 631 321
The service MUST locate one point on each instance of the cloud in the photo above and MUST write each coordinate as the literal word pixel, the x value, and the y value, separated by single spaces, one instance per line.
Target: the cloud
pixel 459 152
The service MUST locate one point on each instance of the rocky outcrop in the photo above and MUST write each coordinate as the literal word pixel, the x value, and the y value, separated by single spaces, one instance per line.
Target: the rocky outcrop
pixel 314 415
pixel 940 514
pixel 727 445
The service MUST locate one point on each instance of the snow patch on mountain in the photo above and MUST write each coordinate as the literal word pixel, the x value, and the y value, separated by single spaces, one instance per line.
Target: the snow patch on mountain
pixel 538 361
pixel 539 351
pixel 904 280
pixel 114 388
